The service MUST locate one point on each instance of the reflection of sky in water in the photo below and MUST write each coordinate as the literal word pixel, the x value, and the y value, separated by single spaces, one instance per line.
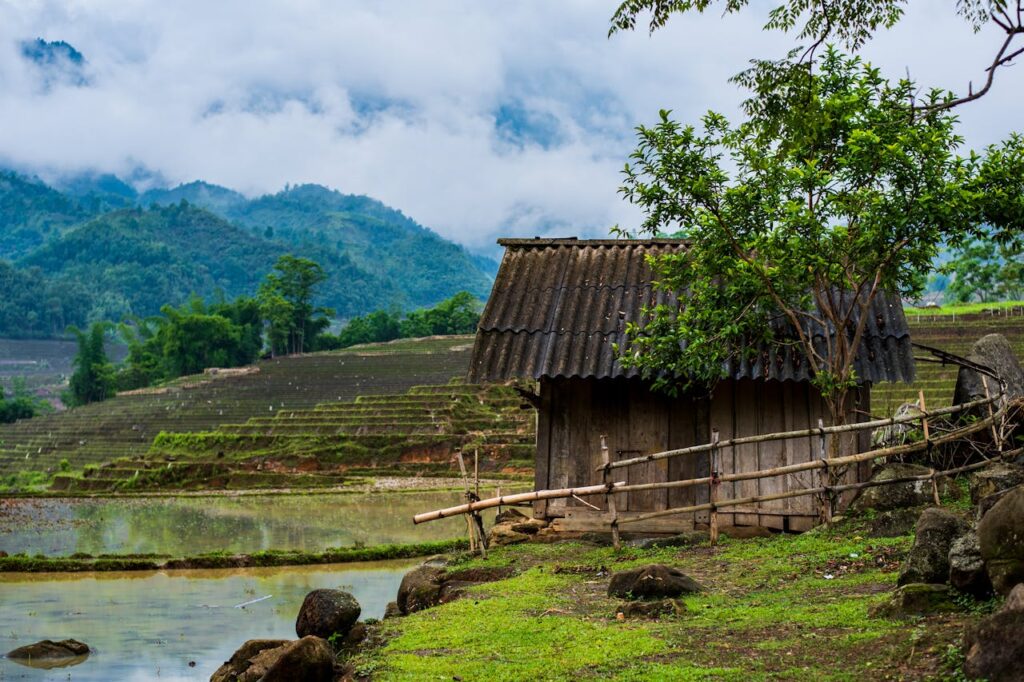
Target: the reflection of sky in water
pixel 149 626
pixel 193 525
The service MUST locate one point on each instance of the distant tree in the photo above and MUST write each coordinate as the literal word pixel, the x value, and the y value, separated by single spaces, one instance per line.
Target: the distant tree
pixel 985 271
pixel 93 378
pixel 19 406
pixel 287 300
pixel 456 315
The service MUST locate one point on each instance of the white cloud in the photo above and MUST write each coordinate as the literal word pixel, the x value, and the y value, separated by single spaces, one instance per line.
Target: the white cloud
pixel 398 100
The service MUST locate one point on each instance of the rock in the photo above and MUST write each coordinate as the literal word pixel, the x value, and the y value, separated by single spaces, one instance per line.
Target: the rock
pixel 392 610
pixel 896 434
pixel 694 537
pixel 310 659
pixel 326 612
pixel 652 609
pixel 510 515
pixel 989 501
pixel 1015 600
pixel 242 658
pixel 1001 538
pixel 928 560
pixel 529 526
pixel 995 648
pixel 420 589
pixel 48 650
pixel 655 581
pixel 966 568
pixel 916 599
pixel 996 353
pixel 894 523
pixel 994 479
pixel 502 534
pixel 897 495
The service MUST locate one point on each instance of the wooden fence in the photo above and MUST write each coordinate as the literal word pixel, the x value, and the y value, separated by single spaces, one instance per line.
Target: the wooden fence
pixel 830 470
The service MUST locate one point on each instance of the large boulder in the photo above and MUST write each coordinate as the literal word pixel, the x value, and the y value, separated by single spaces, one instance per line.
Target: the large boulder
pixel 326 612
pixel 994 479
pixel 420 589
pixel 966 567
pixel 655 581
pixel 916 599
pixel 309 659
pixel 47 653
pixel 242 658
pixel 1015 600
pixel 996 353
pixel 894 523
pixel 1001 539
pixel 995 648
pixel 928 560
pixel 896 495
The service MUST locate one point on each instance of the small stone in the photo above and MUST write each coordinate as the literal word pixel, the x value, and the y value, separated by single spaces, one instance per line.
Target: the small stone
pixel 1015 600
pixel 48 650
pixel 529 526
pixel 392 610
pixel 420 589
pixel 893 523
pixel 510 515
pixel 503 534
pixel 655 581
pixel 966 568
pixel 916 599
pixel 897 495
pixel 327 612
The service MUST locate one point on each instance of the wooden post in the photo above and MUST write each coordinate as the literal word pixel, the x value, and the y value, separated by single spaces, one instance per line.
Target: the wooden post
pixel 928 445
pixel 474 519
pixel 996 440
pixel 824 476
pixel 613 514
pixel 713 489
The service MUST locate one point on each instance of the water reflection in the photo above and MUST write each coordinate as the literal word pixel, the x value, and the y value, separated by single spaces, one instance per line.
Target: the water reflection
pixel 146 626
pixel 193 525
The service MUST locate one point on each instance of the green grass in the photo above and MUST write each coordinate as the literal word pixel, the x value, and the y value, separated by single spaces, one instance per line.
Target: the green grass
pixel 769 612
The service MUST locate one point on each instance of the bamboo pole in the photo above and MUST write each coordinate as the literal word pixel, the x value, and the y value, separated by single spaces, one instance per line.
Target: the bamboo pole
pixel 928 446
pixel 824 500
pixel 476 524
pixel 996 440
pixel 621 487
pixel 801 433
pixel 508 500
pixel 797 493
pixel 713 484
pixel 613 514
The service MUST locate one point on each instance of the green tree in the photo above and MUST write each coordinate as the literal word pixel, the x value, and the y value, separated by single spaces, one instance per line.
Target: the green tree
pixel 985 271
pixel 827 195
pixel 93 378
pixel 287 300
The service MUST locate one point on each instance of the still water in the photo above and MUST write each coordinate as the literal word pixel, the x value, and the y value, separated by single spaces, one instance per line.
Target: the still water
pixel 151 626
pixel 242 524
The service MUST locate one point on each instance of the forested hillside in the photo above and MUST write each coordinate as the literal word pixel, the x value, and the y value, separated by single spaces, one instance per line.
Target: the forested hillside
pixel 96 249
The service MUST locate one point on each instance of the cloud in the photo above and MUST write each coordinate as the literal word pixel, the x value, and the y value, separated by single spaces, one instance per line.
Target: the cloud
pixel 478 119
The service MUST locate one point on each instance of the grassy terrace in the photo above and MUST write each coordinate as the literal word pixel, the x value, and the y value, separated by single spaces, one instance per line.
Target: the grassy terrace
pixel 784 608
pixel 126 426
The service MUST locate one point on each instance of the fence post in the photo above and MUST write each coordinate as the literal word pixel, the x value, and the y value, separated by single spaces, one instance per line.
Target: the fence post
pixel 713 489
pixel 825 478
pixel 609 496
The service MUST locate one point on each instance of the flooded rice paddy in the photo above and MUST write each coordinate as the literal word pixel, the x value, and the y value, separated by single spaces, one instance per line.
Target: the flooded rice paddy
pixel 172 625
pixel 181 526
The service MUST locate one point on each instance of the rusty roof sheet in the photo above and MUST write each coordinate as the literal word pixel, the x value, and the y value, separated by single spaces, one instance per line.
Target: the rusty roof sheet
pixel 558 306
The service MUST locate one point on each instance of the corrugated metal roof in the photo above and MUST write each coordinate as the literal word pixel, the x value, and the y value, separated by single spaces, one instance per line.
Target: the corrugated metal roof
pixel 559 305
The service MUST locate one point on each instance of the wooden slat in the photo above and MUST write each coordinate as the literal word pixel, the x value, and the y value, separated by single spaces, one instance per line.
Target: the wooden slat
pixel 798 449
pixel 542 458
pixel 581 519
pixel 648 424
pixel 722 413
pixel 772 406
pixel 746 405
pixel 558 475
pixel 682 433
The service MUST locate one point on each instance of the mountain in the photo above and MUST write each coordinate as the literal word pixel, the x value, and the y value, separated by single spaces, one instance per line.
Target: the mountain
pixel 133 261
pixel 425 267
pixel 92 247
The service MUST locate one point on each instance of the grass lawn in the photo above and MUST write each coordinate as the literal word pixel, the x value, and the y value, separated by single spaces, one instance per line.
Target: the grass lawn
pixel 787 607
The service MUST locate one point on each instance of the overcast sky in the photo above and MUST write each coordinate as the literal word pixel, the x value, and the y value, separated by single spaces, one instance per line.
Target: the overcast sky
pixel 477 118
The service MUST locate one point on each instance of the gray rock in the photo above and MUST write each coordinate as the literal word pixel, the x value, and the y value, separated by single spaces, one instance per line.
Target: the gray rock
pixel 995 479
pixel 392 610
pixel 48 650
pixel 995 648
pixel 966 568
pixel 928 560
pixel 326 612
pixel 1001 538
pixel 309 659
pixel 655 581
pixel 510 515
pixel 894 523
pixel 242 658
pixel 916 599
pixel 1015 600
pixel 996 353
pixel 503 534
pixel 652 609
pixel 420 589
pixel 896 434
pixel 896 495
pixel 989 501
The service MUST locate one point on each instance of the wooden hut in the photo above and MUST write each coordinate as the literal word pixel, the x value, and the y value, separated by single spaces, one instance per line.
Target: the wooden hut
pixel 557 308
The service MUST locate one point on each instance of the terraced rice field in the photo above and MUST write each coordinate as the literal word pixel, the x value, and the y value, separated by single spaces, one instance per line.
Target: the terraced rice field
pixel 954 334
pixel 125 427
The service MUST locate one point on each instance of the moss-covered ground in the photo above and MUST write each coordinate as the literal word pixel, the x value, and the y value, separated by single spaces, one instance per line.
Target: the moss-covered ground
pixel 780 608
